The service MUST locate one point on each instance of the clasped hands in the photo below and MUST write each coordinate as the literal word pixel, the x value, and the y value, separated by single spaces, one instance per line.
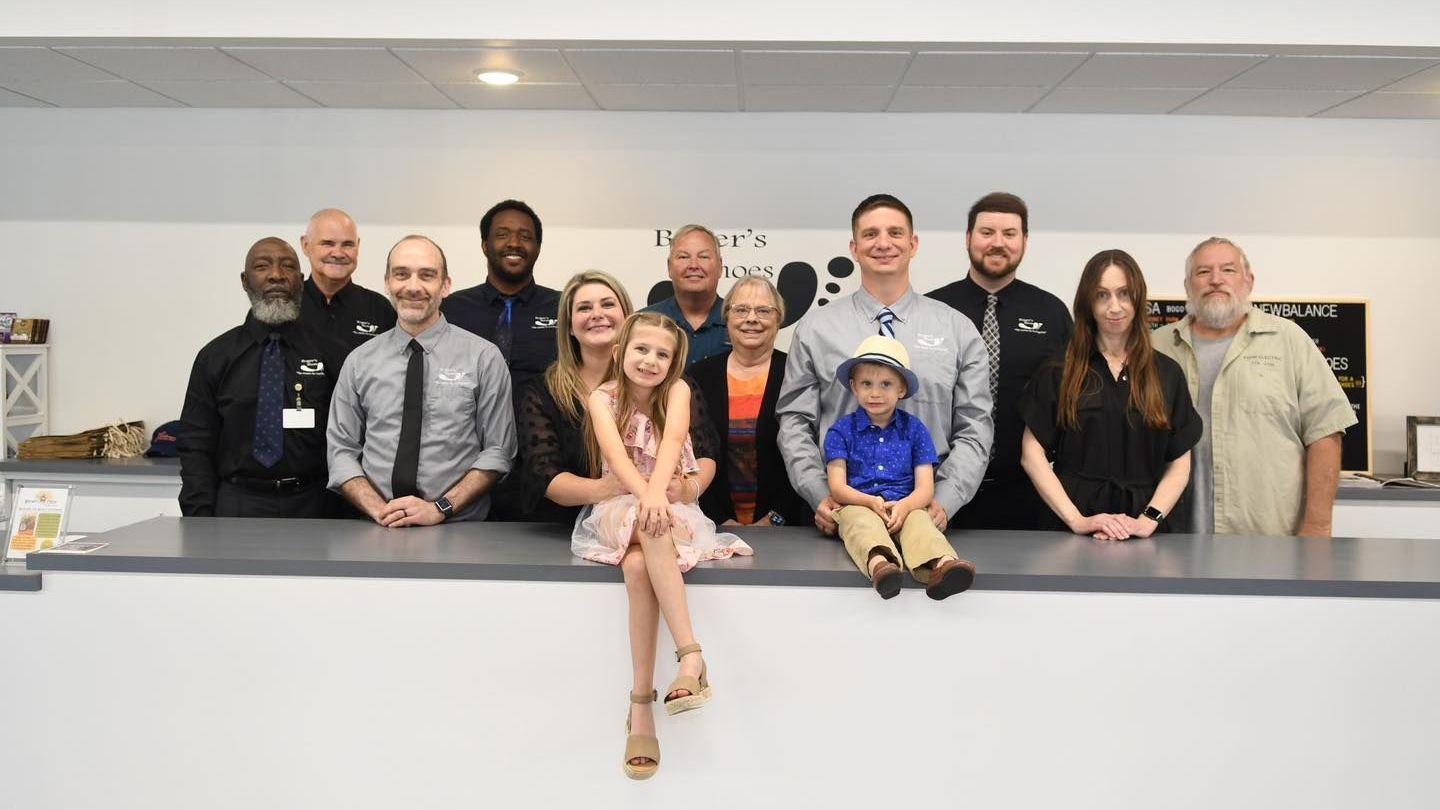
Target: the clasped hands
pixel 1111 527
pixel 408 511
pixel 825 515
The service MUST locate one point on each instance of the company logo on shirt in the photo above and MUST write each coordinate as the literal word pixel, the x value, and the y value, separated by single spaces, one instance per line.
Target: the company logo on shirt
pixel 544 322
pixel 450 376
pixel 366 328
pixel 312 367
pixel 1032 326
pixel 931 342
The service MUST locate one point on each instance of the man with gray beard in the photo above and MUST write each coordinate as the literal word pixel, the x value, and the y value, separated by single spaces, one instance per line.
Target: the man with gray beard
pixel 1268 461
pixel 252 434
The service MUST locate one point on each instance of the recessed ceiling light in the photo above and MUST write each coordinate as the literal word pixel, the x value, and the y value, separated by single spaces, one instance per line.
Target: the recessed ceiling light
pixel 498 76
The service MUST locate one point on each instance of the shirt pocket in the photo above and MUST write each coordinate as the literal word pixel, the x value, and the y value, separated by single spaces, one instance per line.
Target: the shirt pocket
pixel 450 411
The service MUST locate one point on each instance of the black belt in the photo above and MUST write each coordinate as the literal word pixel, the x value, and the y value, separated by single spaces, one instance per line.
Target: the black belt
pixel 272 486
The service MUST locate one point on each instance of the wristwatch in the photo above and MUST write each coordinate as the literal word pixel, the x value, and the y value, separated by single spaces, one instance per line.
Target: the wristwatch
pixel 776 519
pixel 447 509
pixel 1153 513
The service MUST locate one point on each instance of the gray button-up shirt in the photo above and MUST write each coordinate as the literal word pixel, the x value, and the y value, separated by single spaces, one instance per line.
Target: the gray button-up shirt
pixel 946 353
pixel 467 423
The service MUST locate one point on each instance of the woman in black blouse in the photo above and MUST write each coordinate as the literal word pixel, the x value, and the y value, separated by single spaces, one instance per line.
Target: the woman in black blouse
pixel 1114 416
pixel 554 467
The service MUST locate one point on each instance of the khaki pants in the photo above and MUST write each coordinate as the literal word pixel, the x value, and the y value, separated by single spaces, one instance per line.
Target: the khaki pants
pixel 920 542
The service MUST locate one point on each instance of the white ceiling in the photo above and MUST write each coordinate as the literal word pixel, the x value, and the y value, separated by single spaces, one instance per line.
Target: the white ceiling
pixel 728 77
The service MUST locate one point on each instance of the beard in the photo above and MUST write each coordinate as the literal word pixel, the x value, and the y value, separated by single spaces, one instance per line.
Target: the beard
pixel 1219 312
pixel 521 276
pixel 273 311
pixel 977 263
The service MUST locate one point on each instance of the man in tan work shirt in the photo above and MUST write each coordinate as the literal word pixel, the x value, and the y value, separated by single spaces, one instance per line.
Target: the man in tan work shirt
pixel 1268 462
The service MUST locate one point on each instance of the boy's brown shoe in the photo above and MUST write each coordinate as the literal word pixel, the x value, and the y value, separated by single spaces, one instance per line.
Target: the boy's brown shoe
pixel 886 579
pixel 949 578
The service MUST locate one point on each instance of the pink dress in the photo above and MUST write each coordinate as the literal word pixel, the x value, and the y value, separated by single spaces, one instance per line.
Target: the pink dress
pixel 603 531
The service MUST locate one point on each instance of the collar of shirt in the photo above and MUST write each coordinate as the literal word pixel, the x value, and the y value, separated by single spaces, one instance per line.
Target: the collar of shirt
pixel 492 297
pixel 313 293
pixel 400 339
pixel 671 307
pixel 860 422
pixel 1257 322
pixel 260 332
pixel 869 309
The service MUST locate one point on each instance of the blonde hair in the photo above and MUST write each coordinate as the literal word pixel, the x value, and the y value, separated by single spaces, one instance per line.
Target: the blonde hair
pixel 563 375
pixel 625 390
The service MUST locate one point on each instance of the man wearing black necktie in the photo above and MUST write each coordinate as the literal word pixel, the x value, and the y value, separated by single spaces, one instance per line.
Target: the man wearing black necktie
pixel 1022 326
pixel 421 424
pixel 510 310
pixel 252 435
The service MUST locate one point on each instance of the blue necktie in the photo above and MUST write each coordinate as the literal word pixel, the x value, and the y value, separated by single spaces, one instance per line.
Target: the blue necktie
pixel 887 322
pixel 503 337
pixel 269 445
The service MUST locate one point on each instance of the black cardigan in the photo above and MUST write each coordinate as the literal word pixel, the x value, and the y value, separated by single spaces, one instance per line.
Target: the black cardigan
pixel 773 490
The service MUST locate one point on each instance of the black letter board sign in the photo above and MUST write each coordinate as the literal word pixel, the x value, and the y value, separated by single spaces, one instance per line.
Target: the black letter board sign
pixel 1341 329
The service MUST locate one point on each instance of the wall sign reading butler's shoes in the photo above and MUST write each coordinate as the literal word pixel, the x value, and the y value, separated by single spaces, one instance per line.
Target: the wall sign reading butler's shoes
pixel 1341 330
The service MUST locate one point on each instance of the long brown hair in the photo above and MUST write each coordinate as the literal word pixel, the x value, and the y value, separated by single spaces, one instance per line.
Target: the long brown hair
pixel 625 390
pixel 562 377
pixel 1145 394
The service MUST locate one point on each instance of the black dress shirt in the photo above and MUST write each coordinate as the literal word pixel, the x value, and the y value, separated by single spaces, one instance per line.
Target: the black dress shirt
pixel 1034 325
pixel 217 429
pixel 532 325
pixel 351 317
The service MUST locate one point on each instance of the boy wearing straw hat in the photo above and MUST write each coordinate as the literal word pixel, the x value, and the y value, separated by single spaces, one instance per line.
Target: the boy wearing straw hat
pixel 880 466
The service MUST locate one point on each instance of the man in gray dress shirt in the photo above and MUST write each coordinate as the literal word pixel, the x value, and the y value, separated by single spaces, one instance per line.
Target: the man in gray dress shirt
pixel 946 353
pixel 466 432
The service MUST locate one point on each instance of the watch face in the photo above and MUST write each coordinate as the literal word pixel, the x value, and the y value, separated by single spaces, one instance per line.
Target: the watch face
pixel 443 504
pixel 776 520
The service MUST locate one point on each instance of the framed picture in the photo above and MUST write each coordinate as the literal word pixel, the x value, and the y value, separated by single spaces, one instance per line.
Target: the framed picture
pixel 37 520
pixel 1422 448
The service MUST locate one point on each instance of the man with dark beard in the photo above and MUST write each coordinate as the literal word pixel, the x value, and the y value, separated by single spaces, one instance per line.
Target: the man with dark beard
pixel 509 309
pixel 1268 461
pixel 252 435
pixel 1022 326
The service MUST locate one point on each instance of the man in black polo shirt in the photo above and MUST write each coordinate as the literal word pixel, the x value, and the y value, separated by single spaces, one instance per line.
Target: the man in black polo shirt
pixel 333 304
pixel 1022 326
pixel 252 431
pixel 510 310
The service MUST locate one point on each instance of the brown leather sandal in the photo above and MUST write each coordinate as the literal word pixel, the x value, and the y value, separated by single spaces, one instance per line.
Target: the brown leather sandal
pixel 699 688
pixel 641 746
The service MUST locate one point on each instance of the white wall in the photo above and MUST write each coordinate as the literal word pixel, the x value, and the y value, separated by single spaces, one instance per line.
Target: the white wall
pixel 128 227
pixel 1323 22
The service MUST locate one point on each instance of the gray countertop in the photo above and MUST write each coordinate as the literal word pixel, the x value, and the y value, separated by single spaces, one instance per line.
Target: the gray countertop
pixel 14 577
pixel 169 467
pixel 787 557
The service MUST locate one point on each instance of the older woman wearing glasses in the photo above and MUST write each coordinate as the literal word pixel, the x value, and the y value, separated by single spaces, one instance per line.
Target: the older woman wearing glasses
pixel 740 388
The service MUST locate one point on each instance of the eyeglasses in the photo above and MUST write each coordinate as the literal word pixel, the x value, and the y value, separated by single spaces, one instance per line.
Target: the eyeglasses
pixel 744 311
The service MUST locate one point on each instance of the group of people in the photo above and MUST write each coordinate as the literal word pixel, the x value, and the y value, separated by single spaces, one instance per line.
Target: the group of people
pixel 895 416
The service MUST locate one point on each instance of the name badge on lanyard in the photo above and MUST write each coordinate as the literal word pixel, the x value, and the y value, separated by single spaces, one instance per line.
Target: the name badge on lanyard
pixel 298 417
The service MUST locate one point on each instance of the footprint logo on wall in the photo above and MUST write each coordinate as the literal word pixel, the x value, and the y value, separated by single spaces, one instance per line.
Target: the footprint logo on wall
pixel 797 282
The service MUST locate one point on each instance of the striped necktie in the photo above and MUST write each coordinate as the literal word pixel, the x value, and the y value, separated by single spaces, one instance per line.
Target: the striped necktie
pixel 990 334
pixel 887 322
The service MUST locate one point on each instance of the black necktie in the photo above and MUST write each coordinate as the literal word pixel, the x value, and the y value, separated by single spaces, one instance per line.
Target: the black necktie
pixel 504 338
pixel 269 445
pixel 404 479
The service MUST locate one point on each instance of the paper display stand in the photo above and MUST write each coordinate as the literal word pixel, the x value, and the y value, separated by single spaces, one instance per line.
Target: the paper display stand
pixel 37 520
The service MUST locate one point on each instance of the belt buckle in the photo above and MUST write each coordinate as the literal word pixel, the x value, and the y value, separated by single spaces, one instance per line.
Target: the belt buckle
pixel 281 483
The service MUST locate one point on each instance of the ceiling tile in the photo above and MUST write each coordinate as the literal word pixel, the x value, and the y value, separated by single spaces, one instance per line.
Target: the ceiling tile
pixel 232 94
pixel 459 65
pixel 375 95
pixel 44 65
pixel 167 64
pixel 851 68
pixel 1389 105
pixel 327 64
pixel 1160 69
pixel 817 98
pixel 965 99
pixel 1328 72
pixel 9 99
pixel 675 97
pixel 114 93
pixel 1426 81
pixel 984 69
pixel 1279 103
pixel 523 96
pixel 667 66
pixel 1114 100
